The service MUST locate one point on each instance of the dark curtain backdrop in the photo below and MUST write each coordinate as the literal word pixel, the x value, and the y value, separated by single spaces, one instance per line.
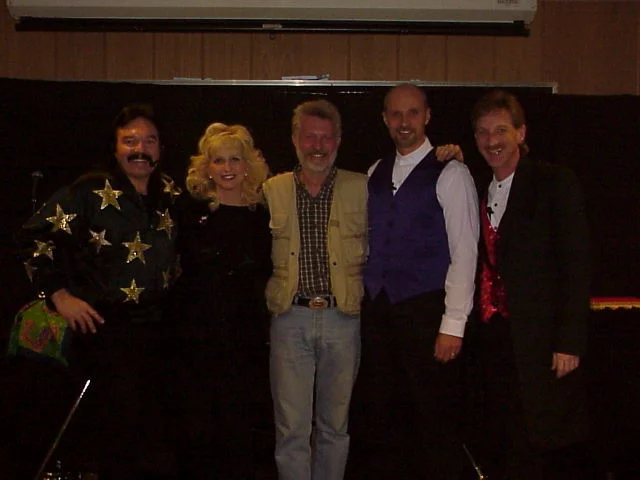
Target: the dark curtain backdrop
pixel 61 129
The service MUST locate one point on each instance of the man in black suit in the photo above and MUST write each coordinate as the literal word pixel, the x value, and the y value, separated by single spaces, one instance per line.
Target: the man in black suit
pixel 533 300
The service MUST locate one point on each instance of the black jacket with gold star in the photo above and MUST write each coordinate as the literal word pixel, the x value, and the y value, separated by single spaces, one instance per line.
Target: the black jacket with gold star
pixel 105 243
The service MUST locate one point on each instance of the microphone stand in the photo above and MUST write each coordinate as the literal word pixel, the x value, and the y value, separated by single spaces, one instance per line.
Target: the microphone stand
pixel 35 178
pixel 54 445
pixel 481 476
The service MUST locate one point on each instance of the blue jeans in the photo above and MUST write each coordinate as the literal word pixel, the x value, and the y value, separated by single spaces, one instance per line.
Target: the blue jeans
pixel 315 355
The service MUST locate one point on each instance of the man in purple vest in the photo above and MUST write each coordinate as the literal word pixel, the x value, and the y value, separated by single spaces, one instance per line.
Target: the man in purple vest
pixel 533 302
pixel 419 284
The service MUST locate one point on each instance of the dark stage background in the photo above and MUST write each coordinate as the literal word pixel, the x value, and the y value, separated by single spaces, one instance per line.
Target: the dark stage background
pixel 62 128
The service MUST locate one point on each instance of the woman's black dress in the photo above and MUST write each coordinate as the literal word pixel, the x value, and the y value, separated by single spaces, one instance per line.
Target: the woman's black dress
pixel 221 389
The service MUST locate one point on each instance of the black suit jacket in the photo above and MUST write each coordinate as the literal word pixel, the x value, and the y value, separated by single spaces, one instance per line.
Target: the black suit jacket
pixel 543 258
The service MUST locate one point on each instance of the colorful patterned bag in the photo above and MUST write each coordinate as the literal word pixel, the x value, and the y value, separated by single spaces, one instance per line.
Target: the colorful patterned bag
pixel 40 333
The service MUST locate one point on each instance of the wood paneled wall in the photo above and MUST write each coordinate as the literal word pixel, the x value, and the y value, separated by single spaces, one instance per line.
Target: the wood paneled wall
pixel 587 47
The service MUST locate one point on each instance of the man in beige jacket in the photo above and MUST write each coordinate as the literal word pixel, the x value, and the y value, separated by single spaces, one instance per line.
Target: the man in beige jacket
pixel 318 223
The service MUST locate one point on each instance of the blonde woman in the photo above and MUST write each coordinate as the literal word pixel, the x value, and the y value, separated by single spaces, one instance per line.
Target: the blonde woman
pixel 225 247
pixel 228 169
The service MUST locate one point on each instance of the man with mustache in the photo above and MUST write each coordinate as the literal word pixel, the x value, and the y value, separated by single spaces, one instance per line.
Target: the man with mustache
pixel 102 252
pixel 318 223
pixel 533 302
pixel 419 284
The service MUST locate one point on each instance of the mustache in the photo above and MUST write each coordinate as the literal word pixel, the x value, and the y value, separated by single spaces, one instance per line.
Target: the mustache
pixel 142 156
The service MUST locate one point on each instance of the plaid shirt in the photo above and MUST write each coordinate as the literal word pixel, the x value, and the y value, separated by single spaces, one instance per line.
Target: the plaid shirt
pixel 313 217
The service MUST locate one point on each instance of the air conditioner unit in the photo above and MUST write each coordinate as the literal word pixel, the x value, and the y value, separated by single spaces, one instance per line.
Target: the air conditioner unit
pixel 307 15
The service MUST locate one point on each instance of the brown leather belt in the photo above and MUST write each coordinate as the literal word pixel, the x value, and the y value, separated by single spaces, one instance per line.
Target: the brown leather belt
pixel 315 303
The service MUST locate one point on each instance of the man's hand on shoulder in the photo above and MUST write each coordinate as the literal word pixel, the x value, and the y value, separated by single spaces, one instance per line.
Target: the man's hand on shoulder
pixel 449 152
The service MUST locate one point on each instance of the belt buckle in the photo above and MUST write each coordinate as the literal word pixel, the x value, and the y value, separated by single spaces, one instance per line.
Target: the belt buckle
pixel 318 303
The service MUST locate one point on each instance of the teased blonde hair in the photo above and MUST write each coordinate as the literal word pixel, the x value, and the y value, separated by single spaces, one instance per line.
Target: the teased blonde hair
pixel 217 135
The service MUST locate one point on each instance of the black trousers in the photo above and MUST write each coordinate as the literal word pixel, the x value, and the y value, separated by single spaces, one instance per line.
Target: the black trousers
pixel 406 405
pixel 506 450
pixel 121 424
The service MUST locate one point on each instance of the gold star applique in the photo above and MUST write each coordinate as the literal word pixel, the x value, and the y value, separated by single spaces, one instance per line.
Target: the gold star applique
pixel 132 292
pixel 61 220
pixel 97 239
pixel 166 279
pixel 109 196
pixel 166 222
pixel 170 187
pixel 29 269
pixel 44 248
pixel 136 249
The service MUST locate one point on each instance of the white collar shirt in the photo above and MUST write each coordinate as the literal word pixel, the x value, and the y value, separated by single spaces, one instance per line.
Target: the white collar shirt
pixel 457 196
pixel 497 198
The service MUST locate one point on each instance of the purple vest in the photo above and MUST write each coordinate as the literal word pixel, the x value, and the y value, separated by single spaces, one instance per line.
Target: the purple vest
pixel 408 248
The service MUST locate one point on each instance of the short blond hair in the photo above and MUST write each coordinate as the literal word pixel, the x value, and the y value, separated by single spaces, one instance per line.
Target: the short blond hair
pixel 217 135
pixel 320 109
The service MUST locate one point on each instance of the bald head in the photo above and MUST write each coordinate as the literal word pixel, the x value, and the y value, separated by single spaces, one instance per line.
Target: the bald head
pixel 406 114
pixel 409 88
